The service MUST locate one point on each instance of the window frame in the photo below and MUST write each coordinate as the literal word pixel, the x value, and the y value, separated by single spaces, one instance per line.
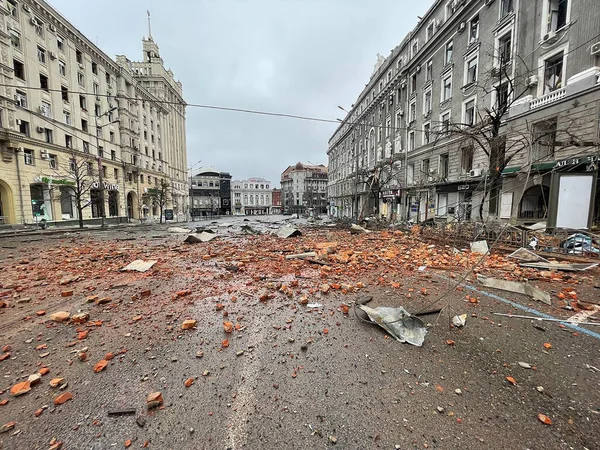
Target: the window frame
pixel 443 96
pixel 465 104
pixel 467 70
pixel 542 65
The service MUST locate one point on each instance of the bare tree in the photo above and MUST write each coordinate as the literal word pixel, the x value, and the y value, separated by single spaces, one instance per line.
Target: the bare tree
pixel 158 196
pixel 82 178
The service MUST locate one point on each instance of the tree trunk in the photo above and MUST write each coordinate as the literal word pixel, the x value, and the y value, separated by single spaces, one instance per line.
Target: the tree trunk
pixel 80 214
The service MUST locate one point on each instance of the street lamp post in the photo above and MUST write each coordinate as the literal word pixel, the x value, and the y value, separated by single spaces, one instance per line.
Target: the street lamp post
pixel 100 167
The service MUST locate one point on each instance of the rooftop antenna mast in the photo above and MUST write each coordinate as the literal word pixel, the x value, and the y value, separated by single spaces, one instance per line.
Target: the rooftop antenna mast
pixel 149 26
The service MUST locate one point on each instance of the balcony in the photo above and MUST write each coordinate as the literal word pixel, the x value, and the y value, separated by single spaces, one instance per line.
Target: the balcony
pixel 548 98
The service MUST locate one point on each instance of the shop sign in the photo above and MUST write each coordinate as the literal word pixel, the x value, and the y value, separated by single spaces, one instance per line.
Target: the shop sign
pixel 464 187
pixel 577 161
pixel 50 180
pixel 107 186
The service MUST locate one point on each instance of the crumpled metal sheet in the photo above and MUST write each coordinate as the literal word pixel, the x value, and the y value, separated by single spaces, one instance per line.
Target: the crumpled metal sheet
pixel 399 323
pixel 287 231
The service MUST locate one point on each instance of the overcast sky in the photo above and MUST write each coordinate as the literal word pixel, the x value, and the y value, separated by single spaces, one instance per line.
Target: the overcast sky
pixel 300 57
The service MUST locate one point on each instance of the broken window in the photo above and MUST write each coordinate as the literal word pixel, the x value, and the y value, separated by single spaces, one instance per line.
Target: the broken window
pixel 557 14
pixel 553 73
pixel 466 160
pixel 544 135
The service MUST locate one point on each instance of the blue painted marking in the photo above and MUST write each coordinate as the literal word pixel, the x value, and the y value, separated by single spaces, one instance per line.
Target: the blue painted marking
pixel 530 310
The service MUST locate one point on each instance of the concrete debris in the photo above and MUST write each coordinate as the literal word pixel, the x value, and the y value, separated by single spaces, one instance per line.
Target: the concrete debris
pixel 399 323
pixel 459 321
pixel 480 247
pixel 60 316
pixel 302 255
pixel 179 230
pixel 356 229
pixel 202 237
pixel 517 287
pixel 288 231
pixel 247 229
pixel 139 265
pixel 154 399
pixel 314 305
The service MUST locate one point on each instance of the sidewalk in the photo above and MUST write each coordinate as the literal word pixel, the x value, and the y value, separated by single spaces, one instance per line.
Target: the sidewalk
pixel 31 230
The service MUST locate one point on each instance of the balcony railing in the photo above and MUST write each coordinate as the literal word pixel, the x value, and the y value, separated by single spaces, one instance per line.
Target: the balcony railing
pixel 548 98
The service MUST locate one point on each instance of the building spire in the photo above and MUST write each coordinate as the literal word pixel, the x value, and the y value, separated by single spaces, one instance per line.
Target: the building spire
pixel 149 26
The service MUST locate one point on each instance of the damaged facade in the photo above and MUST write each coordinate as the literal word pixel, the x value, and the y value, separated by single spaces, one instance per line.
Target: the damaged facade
pixel 416 142
pixel 66 105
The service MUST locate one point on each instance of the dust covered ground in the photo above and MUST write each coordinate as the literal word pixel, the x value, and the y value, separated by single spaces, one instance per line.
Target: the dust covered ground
pixel 262 369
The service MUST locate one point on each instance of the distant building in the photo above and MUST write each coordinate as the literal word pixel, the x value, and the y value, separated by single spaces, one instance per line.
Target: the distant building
pixel 276 200
pixel 210 193
pixel 304 189
pixel 251 196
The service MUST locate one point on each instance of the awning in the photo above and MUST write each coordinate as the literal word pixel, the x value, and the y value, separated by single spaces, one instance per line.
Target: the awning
pixel 540 167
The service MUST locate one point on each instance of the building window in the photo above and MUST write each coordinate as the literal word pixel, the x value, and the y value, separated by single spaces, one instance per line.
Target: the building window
pixel 21 99
pixel 80 79
pixel 430 30
pixel 471 72
pixel 69 142
pixel 553 73
pixel 13 8
pixel 412 111
pixel 506 7
pixel 41 53
pixel 99 132
pixel 444 165
pixel 411 141
pixel 112 136
pixel 502 94
pixel 39 27
pixel 46 109
pixel 145 135
pixel 557 14
pixel 544 134
pixel 84 125
pixel 426 133
pixel 448 52
pixel 60 43
pixel 95 89
pixel 410 174
pixel 469 113
pixel 413 83
pixel 425 165
pixel 48 135
pixel 28 155
pixel 62 68
pixel 466 159
pixel 445 123
pixel 44 82
pixel 113 155
pixel 449 9
pixel 414 48
pixel 429 71
pixel 79 56
pixel 94 68
pixel 97 110
pixel 72 165
pixel 474 30
pixel 15 38
pixel 23 127
pixel 64 91
pixel 83 102
pixel 19 69
pixel 116 173
pixel 53 161
pixel 427 103
pixel 101 151
pixel 505 49
pixel 447 88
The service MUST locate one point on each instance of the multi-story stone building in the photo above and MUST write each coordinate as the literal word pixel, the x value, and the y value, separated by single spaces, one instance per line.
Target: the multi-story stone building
pixel 476 95
pixel 304 189
pixel 79 129
pixel 210 193
pixel 251 196
pixel 276 200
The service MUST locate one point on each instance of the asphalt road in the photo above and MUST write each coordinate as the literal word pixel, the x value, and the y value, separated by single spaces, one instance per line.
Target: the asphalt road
pixel 292 376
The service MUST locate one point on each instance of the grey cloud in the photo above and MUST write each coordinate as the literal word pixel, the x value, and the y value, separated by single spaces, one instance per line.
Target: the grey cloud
pixel 300 57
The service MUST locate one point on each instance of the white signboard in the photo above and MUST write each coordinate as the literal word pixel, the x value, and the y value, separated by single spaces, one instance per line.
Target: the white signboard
pixel 574 196
pixel 506 201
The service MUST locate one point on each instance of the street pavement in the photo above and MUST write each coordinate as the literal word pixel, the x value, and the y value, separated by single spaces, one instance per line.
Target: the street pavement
pixel 269 372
